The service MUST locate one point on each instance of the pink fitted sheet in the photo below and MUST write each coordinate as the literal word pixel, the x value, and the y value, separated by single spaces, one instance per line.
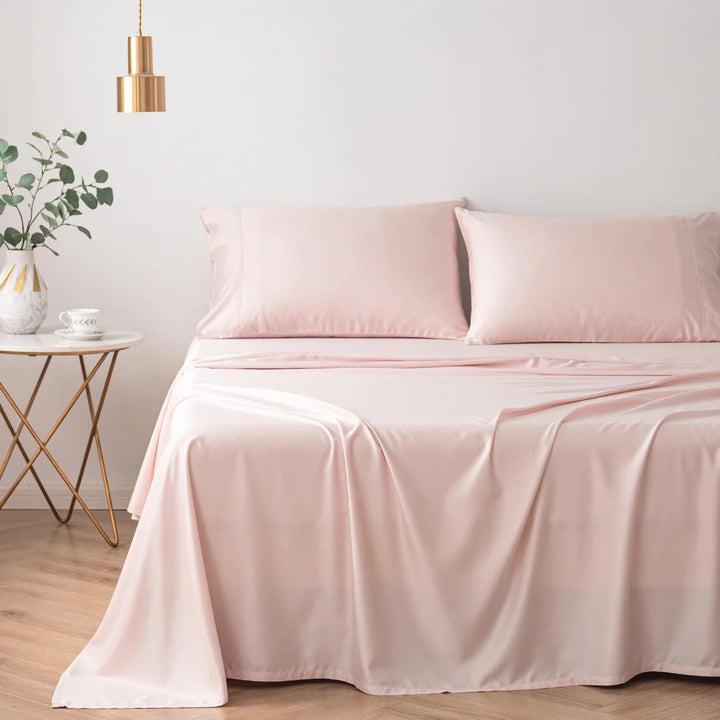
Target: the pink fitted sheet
pixel 416 516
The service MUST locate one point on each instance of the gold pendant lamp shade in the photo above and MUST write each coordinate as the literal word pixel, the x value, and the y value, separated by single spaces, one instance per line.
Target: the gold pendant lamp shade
pixel 140 90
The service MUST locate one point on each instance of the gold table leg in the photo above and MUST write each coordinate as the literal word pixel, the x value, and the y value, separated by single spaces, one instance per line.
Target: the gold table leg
pixel 94 438
pixel 16 443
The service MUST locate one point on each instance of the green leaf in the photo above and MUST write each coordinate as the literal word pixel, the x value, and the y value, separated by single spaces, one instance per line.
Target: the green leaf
pixel 37 134
pixel 3 175
pixel 81 138
pixel 84 231
pixel 52 180
pixel 10 155
pixel 72 197
pixel 89 200
pixel 4 145
pixel 2 207
pixel 67 175
pixel 13 236
pixel 54 252
pixel 35 148
pixel 37 239
pixel 62 211
pixel 84 186
pixel 105 196
pixel 26 181
pixel 101 176
pixel 49 219
pixel 51 208
pixel 60 152
pixel 75 212
pixel 13 200
pixel 43 161
pixel 67 133
pixel 46 231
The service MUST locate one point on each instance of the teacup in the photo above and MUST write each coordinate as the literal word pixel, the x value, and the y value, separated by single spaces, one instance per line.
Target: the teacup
pixel 81 321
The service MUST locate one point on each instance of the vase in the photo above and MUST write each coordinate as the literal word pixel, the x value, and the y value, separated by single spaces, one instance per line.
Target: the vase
pixel 23 293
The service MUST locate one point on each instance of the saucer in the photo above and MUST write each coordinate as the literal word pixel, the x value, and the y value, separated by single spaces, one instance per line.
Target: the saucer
pixel 68 334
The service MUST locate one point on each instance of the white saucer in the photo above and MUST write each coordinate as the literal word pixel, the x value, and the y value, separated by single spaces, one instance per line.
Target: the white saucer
pixel 68 334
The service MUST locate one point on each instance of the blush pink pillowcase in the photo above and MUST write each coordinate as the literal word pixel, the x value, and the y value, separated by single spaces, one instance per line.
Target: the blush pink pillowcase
pixel 537 279
pixel 379 271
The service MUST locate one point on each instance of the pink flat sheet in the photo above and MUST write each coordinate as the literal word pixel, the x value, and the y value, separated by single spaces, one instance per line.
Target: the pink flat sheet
pixel 417 516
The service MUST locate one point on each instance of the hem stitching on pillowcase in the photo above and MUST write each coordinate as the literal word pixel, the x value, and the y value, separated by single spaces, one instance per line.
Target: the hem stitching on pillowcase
pixel 697 278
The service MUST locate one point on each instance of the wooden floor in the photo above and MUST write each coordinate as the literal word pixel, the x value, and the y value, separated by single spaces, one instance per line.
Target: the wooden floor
pixel 55 583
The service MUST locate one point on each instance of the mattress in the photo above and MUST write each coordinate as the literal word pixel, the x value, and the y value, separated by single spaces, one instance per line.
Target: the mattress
pixel 416 516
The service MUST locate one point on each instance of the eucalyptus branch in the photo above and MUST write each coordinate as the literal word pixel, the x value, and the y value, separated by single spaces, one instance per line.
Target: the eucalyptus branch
pixel 53 200
pixel 11 188
pixel 76 187
pixel 39 186
pixel 34 196
pixel 63 206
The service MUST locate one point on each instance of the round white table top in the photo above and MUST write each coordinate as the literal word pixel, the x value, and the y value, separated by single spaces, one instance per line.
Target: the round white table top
pixel 46 342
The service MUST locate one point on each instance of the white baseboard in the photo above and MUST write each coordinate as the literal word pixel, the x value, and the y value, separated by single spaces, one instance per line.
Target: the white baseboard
pixel 28 497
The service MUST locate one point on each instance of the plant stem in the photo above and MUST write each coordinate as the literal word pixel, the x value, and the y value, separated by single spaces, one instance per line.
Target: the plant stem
pixel 40 186
pixel 12 192
pixel 37 190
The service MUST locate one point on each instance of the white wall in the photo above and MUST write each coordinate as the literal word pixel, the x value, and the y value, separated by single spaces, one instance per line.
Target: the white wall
pixel 550 106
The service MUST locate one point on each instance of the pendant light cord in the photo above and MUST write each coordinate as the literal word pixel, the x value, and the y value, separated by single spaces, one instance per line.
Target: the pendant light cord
pixel 140 19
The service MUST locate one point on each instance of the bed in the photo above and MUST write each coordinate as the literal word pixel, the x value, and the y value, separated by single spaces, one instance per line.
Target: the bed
pixel 418 516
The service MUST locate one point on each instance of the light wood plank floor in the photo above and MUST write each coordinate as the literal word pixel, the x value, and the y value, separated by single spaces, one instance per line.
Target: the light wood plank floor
pixel 55 583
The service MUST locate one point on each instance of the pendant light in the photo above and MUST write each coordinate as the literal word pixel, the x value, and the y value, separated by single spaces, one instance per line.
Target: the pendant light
pixel 140 90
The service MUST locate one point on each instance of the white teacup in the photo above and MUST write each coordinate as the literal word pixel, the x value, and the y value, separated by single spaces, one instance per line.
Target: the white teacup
pixel 81 321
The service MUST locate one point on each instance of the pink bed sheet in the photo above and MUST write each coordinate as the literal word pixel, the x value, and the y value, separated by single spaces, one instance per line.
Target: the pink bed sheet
pixel 416 516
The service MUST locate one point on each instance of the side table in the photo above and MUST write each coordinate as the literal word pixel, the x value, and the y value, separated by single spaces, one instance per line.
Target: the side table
pixel 46 344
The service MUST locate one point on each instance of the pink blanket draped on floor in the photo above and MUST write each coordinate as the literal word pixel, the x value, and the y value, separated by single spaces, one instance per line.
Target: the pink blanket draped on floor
pixel 416 516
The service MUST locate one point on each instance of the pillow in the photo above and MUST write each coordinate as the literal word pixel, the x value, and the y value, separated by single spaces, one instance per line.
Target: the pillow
pixel 379 271
pixel 536 279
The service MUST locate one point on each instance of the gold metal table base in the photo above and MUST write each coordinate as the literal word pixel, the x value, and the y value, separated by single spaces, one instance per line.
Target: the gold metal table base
pixel 42 443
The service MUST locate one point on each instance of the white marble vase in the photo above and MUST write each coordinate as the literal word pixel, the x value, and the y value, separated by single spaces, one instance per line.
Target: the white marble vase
pixel 23 293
